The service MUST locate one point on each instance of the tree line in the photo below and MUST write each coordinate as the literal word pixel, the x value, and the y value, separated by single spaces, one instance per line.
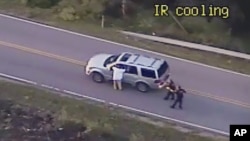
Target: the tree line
pixel 239 20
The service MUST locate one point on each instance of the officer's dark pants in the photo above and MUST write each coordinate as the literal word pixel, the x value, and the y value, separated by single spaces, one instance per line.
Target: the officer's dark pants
pixel 169 94
pixel 178 101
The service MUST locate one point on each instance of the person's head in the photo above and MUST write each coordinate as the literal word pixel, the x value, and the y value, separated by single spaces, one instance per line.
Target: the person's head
pixel 179 87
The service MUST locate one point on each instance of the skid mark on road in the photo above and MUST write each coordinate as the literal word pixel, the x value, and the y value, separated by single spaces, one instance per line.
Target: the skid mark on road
pixel 82 63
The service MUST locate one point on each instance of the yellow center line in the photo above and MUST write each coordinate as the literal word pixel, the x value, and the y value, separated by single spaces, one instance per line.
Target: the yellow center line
pixel 219 98
pixel 38 52
pixel 82 63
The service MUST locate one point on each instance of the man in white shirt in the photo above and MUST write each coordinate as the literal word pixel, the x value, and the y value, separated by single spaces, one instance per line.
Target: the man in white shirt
pixel 118 72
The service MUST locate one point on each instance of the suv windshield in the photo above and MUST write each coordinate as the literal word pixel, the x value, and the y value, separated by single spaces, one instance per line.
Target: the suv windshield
pixel 111 59
pixel 162 68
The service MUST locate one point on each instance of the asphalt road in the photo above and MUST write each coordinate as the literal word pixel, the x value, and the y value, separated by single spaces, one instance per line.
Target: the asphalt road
pixel 197 109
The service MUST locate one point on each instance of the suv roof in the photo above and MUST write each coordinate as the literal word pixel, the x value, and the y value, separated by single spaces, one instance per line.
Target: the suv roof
pixel 141 60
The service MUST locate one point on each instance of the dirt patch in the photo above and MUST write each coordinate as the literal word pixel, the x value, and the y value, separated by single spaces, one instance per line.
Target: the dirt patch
pixel 23 123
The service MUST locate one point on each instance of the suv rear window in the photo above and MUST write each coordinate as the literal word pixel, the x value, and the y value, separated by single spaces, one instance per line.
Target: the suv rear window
pixel 148 73
pixel 162 69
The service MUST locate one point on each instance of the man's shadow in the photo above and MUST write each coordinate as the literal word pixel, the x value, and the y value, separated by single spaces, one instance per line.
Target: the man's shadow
pixel 129 87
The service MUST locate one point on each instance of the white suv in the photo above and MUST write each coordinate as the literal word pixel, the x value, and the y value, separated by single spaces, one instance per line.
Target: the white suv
pixel 142 72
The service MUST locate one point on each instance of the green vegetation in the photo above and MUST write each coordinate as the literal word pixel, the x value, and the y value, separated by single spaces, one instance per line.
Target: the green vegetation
pixel 85 17
pixel 30 108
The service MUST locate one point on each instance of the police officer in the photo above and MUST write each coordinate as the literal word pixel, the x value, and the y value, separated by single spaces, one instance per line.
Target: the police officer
pixel 171 90
pixel 180 94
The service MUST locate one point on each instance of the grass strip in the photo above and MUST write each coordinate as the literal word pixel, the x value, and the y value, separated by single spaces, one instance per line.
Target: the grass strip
pixel 95 117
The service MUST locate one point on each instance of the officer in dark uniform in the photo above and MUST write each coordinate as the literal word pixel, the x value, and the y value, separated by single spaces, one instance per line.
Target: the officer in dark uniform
pixel 180 94
pixel 171 89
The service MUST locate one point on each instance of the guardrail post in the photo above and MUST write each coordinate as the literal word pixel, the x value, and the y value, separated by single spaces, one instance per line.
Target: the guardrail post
pixel 103 20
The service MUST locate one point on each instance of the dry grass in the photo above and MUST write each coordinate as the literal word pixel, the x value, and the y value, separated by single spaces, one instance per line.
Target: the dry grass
pixel 97 118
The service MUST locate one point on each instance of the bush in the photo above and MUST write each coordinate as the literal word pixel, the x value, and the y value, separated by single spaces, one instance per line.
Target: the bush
pixel 42 3
pixel 91 9
pixel 69 14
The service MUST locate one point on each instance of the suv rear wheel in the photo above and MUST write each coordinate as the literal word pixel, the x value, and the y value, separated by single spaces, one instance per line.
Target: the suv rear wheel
pixel 142 87
pixel 97 77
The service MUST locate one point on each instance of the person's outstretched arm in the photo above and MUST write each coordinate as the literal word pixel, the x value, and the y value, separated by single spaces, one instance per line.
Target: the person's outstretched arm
pixel 109 66
pixel 162 85
pixel 184 91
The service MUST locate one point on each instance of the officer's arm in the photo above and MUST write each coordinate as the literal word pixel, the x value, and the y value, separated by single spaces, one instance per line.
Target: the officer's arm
pixel 184 91
pixel 172 90
pixel 161 86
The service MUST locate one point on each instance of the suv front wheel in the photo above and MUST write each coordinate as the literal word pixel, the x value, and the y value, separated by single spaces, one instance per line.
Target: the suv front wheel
pixel 97 77
pixel 142 87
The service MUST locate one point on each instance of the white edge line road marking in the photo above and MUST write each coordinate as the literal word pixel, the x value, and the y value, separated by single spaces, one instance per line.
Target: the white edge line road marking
pixel 46 86
pixel 117 105
pixel 119 44
pixel 84 96
pixel 18 79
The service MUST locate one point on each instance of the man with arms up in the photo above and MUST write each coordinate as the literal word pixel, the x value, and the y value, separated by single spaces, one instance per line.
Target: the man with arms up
pixel 118 72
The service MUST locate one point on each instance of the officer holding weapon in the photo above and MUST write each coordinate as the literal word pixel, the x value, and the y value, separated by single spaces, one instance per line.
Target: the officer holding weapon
pixel 170 87
pixel 180 94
